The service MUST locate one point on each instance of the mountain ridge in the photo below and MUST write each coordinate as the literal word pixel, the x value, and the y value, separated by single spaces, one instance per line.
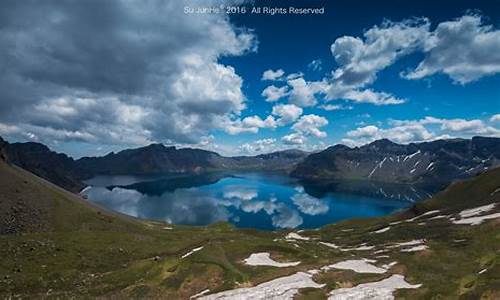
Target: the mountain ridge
pixel 438 162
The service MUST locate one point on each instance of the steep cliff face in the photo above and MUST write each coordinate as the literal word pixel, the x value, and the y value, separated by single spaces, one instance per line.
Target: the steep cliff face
pixel 37 158
pixel 437 162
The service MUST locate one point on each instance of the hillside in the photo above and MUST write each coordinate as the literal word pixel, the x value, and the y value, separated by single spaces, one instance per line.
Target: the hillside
pixel 437 163
pixel 56 245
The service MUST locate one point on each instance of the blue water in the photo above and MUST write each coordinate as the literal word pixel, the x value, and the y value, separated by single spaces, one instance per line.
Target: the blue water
pixel 251 200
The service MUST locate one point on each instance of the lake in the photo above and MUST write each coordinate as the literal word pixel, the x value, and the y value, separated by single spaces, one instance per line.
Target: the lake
pixel 248 200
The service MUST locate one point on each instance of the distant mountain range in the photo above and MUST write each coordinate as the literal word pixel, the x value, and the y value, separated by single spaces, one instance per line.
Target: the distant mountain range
pixel 431 163
pixel 149 160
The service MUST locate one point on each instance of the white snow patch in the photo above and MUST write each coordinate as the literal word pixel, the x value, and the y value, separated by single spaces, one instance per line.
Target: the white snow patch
pixel 280 288
pixel 409 243
pixel 167 228
pixel 359 248
pixel 495 191
pixel 431 212
pixel 482 271
pixel 430 165
pixel 476 211
pixel 378 166
pixel 476 220
pixel 264 259
pixel 356 265
pixel 389 265
pixel 373 290
pixel 414 249
pixel 331 245
pixel 383 229
pixel 192 251
pixel 411 155
pixel 199 294
pixel 296 236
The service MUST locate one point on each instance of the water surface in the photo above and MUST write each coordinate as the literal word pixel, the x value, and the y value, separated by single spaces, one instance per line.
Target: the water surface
pixel 253 200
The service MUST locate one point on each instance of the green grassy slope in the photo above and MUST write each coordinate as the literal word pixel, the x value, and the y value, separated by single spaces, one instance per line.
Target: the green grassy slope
pixel 74 249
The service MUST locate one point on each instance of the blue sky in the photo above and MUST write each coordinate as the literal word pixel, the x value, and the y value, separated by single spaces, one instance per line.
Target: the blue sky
pixel 360 72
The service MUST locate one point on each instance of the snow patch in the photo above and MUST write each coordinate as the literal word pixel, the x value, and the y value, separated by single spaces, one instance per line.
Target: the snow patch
pixel 476 211
pixel 280 288
pixel 199 294
pixel 383 289
pixel 476 220
pixel 356 265
pixel 411 155
pixel 414 249
pixel 331 245
pixel 389 265
pixel 383 229
pixel 264 259
pixel 296 236
pixel 192 251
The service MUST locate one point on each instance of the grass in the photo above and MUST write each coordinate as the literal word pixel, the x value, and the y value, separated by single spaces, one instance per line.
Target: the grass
pixel 87 252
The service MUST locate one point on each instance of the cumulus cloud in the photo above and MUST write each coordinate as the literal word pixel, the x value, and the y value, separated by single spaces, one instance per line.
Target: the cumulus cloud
pixel 131 74
pixel 303 93
pixel 259 146
pixel 273 93
pixel 307 125
pixel 273 75
pixel 464 49
pixel 426 129
pixel 360 60
pixel 495 118
pixel 287 113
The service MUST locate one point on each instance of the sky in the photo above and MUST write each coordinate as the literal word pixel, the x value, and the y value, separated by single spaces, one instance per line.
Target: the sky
pixel 90 77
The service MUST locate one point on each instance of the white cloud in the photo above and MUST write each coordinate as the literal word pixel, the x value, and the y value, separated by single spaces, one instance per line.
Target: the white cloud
pixel 287 113
pixel 294 139
pixel 309 125
pixel 495 118
pixel 259 146
pixel 330 107
pixel 315 65
pixel 273 93
pixel 110 90
pixel 426 129
pixel 273 75
pixel 303 93
pixel 361 60
pixel 256 121
pixel 464 49
pixel 370 96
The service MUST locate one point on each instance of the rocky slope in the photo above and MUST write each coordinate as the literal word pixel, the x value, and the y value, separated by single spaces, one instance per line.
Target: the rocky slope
pixel 431 163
